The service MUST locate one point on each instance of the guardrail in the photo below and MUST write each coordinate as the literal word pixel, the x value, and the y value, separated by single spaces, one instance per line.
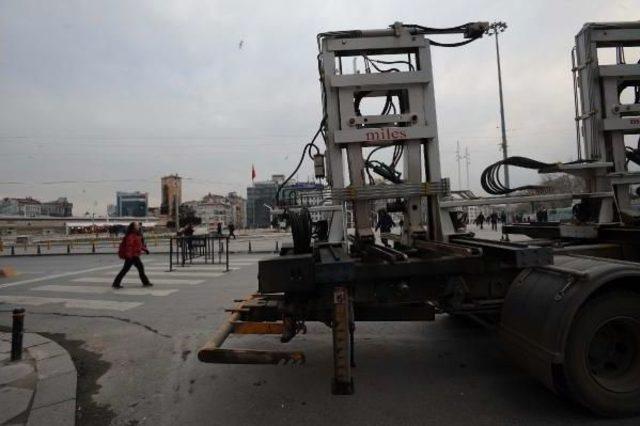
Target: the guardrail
pixel 188 248
pixel 157 244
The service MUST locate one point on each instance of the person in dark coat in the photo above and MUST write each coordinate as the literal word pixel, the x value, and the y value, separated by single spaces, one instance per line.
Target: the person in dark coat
pixel 188 232
pixel 480 220
pixel 219 228
pixel 130 250
pixel 494 221
pixel 385 223
pixel 232 228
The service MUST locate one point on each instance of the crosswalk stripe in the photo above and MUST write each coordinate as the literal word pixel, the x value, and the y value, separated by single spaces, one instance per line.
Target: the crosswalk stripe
pixel 136 280
pixel 191 269
pixel 200 268
pixel 70 303
pixel 180 274
pixel 231 262
pixel 51 277
pixel 105 290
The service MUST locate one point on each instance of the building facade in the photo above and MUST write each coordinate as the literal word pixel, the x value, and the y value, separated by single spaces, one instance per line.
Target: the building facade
pixel 171 188
pixel 132 204
pixel 25 207
pixel 307 194
pixel 259 196
pixel 58 208
pixel 214 209
pixel 238 207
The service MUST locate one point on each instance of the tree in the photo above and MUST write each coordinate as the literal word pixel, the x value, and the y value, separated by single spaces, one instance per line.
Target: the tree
pixel 561 184
pixel 187 217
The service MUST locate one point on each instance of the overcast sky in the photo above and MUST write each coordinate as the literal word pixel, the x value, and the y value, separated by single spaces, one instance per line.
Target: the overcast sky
pixel 99 96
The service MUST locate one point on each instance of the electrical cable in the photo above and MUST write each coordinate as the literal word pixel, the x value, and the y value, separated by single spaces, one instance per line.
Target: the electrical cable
pixel 490 178
pixel 305 150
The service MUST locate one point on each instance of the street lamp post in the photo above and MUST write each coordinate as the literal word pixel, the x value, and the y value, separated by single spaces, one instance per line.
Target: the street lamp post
pixel 494 29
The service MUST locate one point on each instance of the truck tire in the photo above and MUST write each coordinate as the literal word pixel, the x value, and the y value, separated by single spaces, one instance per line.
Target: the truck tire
pixel 602 358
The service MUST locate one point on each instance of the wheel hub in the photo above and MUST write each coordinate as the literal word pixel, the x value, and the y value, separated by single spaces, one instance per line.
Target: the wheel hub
pixel 613 356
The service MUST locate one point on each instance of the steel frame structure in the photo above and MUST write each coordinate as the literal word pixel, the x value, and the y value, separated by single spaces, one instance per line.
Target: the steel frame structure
pixel 539 292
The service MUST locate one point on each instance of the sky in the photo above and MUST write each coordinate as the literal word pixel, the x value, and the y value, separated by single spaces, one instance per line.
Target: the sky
pixel 103 96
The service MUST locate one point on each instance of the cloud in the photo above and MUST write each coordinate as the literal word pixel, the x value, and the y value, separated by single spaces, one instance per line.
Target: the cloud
pixel 107 90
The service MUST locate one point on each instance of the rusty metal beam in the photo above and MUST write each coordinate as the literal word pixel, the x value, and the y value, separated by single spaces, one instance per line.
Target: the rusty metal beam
pixel 256 327
pixel 212 351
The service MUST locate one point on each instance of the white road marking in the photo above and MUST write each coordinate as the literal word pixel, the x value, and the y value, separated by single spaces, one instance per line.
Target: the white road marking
pixel 52 277
pixel 178 274
pixel 70 303
pixel 136 280
pixel 233 266
pixel 189 269
pixel 105 290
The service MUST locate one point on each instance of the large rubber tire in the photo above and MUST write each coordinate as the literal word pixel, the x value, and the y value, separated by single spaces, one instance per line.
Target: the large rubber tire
pixel 602 359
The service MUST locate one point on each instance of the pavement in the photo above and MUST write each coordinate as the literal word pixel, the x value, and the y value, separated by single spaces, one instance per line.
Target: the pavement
pixel 135 353
pixel 39 389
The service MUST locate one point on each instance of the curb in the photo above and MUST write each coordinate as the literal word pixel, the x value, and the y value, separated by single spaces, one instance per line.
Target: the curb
pixel 54 399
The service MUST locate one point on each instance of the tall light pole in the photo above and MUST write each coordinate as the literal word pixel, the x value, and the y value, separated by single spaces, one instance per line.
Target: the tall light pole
pixel 467 160
pixel 494 29
pixel 458 158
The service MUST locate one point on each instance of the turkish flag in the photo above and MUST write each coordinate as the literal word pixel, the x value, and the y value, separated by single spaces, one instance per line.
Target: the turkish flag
pixel 253 172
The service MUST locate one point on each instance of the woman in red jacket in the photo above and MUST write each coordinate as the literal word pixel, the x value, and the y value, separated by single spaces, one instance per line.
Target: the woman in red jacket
pixel 130 250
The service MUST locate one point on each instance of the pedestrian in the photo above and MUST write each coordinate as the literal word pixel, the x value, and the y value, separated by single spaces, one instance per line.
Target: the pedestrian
pixel 130 250
pixel 219 228
pixel 494 221
pixel 480 220
pixel 232 228
pixel 188 232
pixel 385 223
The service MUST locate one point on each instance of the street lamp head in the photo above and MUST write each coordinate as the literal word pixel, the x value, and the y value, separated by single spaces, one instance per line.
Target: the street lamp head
pixel 496 27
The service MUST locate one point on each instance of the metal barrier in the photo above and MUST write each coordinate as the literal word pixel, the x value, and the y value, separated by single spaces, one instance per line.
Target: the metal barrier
pixel 183 249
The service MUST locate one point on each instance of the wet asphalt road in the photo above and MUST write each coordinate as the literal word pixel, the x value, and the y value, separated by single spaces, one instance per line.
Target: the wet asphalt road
pixel 138 365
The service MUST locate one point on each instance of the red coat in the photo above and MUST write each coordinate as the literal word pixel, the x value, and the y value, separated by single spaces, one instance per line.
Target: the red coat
pixel 131 246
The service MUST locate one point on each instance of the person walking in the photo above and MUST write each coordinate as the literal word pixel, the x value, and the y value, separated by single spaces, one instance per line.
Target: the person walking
pixel 480 220
pixel 385 223
pixel 232 228
pixel 130 250
pixel 494 221
pixel 219 228
pixel 188 232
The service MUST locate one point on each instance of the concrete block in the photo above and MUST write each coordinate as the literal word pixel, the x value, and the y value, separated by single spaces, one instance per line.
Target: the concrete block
pixel 55 389
pixel 33 339
pixel 47 350
pixel 61 414
pixel 50 367
pixel 14 371
pixel 13 401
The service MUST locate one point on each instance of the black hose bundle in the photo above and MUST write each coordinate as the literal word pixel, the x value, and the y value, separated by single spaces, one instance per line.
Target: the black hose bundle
pixel 490 178
pixel 301 230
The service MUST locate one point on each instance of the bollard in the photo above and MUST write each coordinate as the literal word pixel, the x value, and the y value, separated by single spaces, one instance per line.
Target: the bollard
pixel 38 249
pixel 249 246
pixel 13 250
pixel 277 249
pixel 93 247
pixel 68 248
pixel 17 331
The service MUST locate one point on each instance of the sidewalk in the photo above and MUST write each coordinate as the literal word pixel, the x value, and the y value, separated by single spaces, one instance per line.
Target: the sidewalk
pixel 41 388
